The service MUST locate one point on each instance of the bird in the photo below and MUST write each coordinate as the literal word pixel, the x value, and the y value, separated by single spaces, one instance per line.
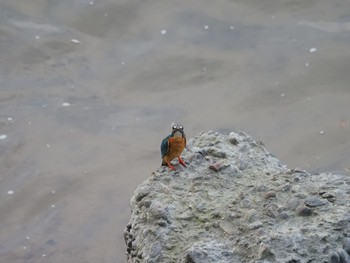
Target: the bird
pixel 172 146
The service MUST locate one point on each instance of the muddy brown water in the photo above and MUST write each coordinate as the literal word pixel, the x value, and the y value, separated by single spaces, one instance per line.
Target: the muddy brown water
pixel 88 89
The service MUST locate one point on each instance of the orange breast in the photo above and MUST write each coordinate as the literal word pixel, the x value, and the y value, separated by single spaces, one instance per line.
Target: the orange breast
pixel 177 145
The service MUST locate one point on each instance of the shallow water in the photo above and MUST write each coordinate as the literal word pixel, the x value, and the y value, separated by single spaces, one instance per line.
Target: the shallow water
pixel 88 90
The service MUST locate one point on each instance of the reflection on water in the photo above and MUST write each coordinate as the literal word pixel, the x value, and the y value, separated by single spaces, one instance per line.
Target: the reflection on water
pixel 88 89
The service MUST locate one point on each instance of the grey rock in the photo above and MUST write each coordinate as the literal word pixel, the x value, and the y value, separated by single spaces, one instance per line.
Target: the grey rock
pixel 227 227
pixel 270 194
pixel 209 252
pixel 283 215
pixel 314 202
pixel 346 244
pixel 219 165
pixel 334 258
pixel 344 257
pixel 156 250
pixel 215 152
pixel 251 209
pixel 264 252
pixel 304 211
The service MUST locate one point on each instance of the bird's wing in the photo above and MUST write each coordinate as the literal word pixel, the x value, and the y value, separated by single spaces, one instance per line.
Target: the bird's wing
pixel 164 147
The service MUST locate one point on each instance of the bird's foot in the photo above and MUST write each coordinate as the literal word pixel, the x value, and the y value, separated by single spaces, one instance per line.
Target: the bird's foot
pixel 164 163
pixel 182 162
pixel 171 167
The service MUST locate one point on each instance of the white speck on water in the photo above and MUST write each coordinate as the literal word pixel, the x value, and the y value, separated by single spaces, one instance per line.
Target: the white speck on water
pixel 272 17
pixel 307 64
pixel 65 104
pixel 24 248
pixel 206 27
pixel 10 192
pixel 122 63
pixel 308 98
pixel 53 206
pixel 53 192
pixel 10 119
pixel 27 238
pixel 47 145
pixel 3 136
pixel 283 94
pixel 91 3
pixel 37 37
pixel 313 49
pixel 163 32
pixel 232 27
pixel 106 14
pixel 29 123
pixel 321 132
pixel 44 106
pixel 204 69
pixel 43 255
pixel 76 41
pixel 85 172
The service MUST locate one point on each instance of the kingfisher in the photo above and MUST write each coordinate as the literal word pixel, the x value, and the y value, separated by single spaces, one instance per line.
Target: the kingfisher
pixel 173 145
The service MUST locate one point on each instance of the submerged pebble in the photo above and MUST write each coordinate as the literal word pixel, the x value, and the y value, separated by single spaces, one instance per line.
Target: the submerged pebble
pixel 65 104
pixel 76 41
pixel 312 50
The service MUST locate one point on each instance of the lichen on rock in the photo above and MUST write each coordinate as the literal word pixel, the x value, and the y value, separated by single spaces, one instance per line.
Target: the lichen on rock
pixel 236 202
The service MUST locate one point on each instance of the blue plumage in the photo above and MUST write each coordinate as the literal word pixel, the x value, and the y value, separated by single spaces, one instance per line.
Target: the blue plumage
pixel 164 147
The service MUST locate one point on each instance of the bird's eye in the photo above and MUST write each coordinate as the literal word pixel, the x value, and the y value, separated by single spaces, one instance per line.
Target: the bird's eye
pixel 181 127
pixel 174 127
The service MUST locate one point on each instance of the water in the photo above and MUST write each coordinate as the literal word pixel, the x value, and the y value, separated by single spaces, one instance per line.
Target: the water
pixel 88 90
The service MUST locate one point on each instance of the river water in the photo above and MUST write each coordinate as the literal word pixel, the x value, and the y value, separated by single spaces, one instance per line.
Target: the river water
pixel 88 89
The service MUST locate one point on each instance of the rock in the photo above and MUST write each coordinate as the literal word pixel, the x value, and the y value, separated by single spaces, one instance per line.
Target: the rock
pixel 304 211
pixel 215 152
pixel 219 165
pixel 248 207
pixel 209 252
pixel 344 257
pixel 227 227
pixel 346 244
pixel 156 251
pixel 270 194
pixel 264 252
pixel 314 202
pixel 334 258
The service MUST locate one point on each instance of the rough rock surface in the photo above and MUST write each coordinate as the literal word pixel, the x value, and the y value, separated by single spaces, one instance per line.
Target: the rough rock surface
pixel 236 202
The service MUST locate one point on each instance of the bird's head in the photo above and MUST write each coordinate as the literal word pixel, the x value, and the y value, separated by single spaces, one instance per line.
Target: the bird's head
pixel 177 130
